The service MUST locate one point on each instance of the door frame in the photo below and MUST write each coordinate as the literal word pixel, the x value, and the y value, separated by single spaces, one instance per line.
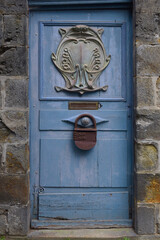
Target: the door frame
pixel 41 5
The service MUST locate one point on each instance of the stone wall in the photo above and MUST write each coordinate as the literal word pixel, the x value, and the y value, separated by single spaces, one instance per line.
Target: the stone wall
pixel 14 160
pixel 147 116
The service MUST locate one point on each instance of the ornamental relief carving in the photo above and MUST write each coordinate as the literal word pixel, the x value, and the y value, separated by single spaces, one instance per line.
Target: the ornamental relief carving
pixel 81 58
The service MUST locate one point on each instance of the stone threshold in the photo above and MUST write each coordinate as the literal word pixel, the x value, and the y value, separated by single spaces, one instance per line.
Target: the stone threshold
pixel 86 234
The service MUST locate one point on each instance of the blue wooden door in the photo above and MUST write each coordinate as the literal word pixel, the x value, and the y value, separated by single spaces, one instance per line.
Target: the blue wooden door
pixel 70 186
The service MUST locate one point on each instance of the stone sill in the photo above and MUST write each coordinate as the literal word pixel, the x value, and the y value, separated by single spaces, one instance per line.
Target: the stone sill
pixel 79 234
pixel 85 234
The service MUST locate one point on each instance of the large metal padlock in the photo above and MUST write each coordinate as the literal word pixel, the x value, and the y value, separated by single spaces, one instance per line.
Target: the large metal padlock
pixel 85 138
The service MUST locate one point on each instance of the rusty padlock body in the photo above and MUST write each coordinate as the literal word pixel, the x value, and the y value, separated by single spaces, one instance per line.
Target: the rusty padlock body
pixel 85 138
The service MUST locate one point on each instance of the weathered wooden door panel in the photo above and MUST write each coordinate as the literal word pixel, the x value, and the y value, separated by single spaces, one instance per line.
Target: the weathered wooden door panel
pixel 61 120
pixel 113 46
pixel 82 206
pixel 67 166
pixel 72 186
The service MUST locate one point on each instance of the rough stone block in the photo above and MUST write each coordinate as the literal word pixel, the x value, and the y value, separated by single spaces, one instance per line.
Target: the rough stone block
pixel 0 153
pixel 148 124
pixel 148 60
pixel 158 218
pixel 17 158
pixel 3 224
pixel 148 188
pixel 148 27
pixel 158 92
pixel 145 92
pixel 15 116
pixel 14 6
pixel 13 61
pixel 14 189
pixel 4 209
pixel 158 213
pixel 0 95
pixel 1 30
pixel 5 132
pixel 16 93
pixel 146 157
pixel 145 220
pixel 2 166
pixel 147 5
pixel 18 220
pixel 15 30
pixel 13 126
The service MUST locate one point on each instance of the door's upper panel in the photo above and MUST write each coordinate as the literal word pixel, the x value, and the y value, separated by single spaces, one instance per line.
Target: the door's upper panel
pixel 113 38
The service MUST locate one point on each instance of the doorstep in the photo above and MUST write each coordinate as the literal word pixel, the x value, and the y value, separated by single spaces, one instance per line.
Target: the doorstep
pixel 85 234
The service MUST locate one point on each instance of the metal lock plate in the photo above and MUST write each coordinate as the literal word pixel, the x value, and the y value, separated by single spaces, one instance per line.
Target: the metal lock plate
pixel 85 138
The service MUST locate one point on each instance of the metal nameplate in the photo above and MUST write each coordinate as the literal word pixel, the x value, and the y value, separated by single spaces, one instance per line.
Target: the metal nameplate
pixel 83 105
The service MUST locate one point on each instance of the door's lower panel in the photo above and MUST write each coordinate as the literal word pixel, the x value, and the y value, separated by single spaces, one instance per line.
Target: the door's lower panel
pixel 84 206
pixel 68 224
pixel 62 164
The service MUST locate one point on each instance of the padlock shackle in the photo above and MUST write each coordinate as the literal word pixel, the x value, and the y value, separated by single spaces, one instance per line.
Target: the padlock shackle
pixel 85 115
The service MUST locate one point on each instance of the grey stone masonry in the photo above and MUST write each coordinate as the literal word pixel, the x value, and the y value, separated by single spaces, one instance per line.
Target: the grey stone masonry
pixel 14 142
pixel 14 148
pixel 146 222
pixel 147 116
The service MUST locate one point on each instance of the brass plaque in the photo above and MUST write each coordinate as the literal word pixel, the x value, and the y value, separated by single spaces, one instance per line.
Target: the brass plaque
pixel 83 105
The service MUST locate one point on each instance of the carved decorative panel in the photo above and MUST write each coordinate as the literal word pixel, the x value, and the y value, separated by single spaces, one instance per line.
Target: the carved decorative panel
pixel 81 58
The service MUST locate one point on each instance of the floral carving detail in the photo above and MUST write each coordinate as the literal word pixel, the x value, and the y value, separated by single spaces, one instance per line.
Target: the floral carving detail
pixel 66 60
pixel 81 58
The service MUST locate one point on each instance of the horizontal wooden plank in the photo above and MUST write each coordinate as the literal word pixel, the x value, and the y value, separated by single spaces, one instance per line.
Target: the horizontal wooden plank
pixel 95 206
pixel 82 214
pixel 84 201
pixel 54 120
pixel 85 190
pixel 74 224
pixel 70 2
